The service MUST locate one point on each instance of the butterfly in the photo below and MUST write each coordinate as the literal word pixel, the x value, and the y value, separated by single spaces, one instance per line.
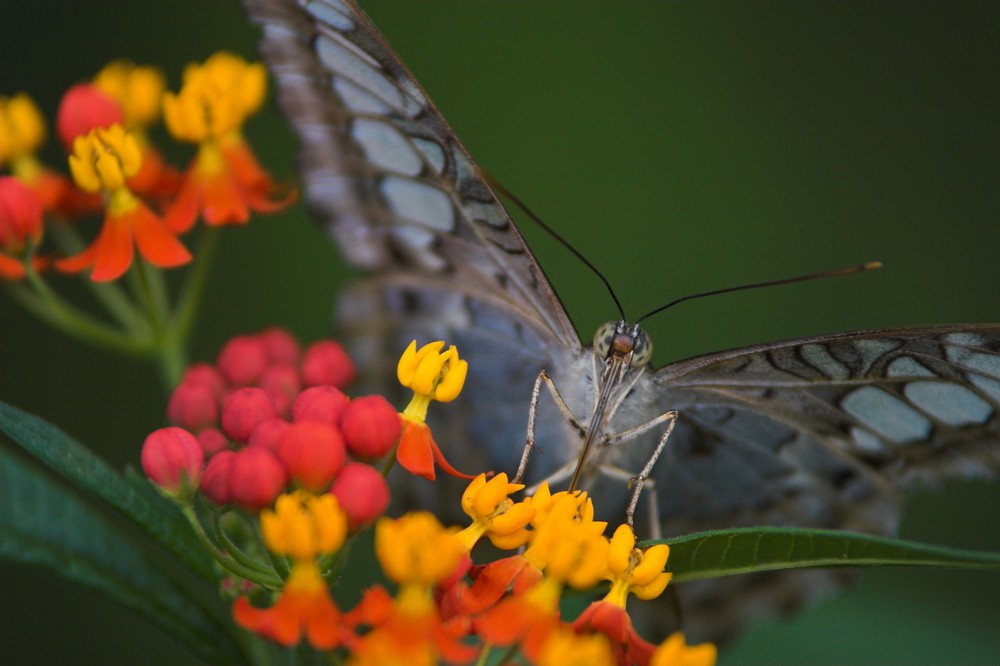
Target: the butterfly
pixel 826 431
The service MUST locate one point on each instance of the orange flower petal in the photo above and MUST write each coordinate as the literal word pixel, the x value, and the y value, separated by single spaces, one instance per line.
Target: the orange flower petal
pixel 414 452
pixel 11 269
pixel 157 244
pixel 113 250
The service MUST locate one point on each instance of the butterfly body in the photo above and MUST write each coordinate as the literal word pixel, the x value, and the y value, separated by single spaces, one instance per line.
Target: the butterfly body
pixel 827 431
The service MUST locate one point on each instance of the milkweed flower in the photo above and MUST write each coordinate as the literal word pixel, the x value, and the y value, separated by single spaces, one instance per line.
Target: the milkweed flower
pixel 301 526
pixel 494 514
pixel 633 570
pixel 102 160
pixel 433 375
pixel 674 651
pixel 569 549
pixel 22 133
pixel 416 552
pixel 139 90
pixel 225 181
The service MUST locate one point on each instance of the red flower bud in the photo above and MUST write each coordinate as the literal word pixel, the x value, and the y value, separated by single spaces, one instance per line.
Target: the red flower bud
pixel 326 363
pixel 241 360
pixel 212 441
pixel 267 433
pixel 203 373
pixel 83 108
pixel 243 409
pixel 256 478
pixel 370 426
pixel 279 346
pixel 320 403
pixel 193 406
pixel 362 493
pixel 312 452
pixel 172 459
pixel 215 479
pixel 281 382
pixel 20 215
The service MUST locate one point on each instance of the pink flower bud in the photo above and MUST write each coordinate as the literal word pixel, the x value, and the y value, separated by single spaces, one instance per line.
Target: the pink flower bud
pixel 243 409
pixel 267 433
pixel 256 478
pixel 193 406
pixel 370 426
pixel 312 452
pixel 326 363
pixel 241 360
pixel 215 480
pixel 280 346
pixel 320 403
pixel 83 108
pixel 212 441
pixel 203 373
pixel 172 459
pixel 20 215
pixel 281 382
pixel 362 493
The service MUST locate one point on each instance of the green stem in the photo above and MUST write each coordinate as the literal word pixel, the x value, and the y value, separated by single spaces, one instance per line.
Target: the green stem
pixel 234 551
pixel 45 304
pixel 194 287
pixel 224 560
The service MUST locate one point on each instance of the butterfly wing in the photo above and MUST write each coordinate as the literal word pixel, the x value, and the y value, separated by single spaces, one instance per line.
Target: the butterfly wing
pixel 384 172
pixel 821 432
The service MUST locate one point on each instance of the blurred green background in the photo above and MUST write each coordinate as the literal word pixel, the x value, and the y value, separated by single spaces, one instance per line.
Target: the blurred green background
pixel 682 147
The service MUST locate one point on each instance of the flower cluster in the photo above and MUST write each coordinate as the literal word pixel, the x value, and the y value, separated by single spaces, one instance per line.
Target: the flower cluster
pixel 269 416
pixel 115 167
pixel 268 430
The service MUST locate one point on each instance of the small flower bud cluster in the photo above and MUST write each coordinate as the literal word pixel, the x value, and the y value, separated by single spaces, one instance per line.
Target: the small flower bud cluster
pixel 269 416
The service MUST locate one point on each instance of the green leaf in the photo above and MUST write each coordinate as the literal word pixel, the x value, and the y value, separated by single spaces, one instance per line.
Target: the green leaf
pixel 44 522
pixel 133 498
pixel 746 550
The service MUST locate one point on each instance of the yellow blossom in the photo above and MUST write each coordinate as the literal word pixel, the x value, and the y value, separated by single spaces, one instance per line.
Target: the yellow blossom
pixel 416 549
pixel 304 525
pixel 215 98
pixel 675 652
pixel 22 128
pixel 565 647
pixel 494 514
pixel 567 548
pixel 137 89
pixel 431 373
pixel 104 158
pixel 633 570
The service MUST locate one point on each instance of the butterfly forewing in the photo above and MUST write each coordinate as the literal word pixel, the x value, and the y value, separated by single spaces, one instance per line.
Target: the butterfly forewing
pixel 383 170
pixel 821 432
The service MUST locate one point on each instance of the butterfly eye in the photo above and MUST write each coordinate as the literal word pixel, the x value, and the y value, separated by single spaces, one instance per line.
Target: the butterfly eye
pixel 604 337
pixel 642 352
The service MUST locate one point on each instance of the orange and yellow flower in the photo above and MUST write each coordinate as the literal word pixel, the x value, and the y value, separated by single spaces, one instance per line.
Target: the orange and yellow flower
pixel 225 181
pixel 101 161
pixel 433 375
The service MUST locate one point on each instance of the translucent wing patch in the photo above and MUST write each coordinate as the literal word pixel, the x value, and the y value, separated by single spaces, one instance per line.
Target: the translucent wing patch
pixel 382 168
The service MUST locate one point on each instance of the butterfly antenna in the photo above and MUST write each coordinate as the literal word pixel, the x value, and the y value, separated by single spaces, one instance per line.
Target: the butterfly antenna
pixel 851 270
pixel 496 185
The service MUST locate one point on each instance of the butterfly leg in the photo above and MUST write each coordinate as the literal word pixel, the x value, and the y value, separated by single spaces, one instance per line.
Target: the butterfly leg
pixel 642 478
pixel 529 440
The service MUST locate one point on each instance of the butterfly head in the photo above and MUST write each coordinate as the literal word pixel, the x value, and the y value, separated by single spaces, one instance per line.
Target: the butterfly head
pixel 621 340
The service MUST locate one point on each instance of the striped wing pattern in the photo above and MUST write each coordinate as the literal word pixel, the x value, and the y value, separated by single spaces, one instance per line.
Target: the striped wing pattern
pixel 823 432
pixel 385 173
